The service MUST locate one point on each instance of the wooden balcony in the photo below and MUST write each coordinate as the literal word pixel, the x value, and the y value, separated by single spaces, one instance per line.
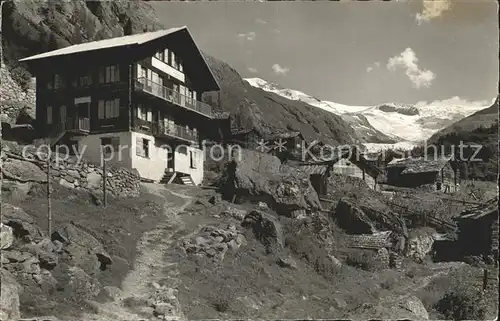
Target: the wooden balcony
pixel 78 125
pixel 176 132
pixel 167 94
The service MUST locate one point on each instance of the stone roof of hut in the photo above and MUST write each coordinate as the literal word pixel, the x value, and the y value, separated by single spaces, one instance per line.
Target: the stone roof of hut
pixel 370 241
pixel 419 165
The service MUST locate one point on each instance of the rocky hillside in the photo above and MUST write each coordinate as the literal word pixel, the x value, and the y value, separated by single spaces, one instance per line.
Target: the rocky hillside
pixel 267 112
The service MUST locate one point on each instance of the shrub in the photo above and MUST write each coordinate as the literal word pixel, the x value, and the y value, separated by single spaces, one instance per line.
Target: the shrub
pixel 222 297
pixel 462 303
pixel 21 76
pixel 388 283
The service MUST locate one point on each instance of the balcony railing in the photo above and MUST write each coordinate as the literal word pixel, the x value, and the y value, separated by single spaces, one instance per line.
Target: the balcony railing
pixel 172 96
pixel 173 130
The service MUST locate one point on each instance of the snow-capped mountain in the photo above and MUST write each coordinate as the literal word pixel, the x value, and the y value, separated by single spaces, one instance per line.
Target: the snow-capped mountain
pixel 382 126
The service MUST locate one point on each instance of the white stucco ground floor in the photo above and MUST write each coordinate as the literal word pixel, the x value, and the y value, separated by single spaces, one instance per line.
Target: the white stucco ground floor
pixel 149 155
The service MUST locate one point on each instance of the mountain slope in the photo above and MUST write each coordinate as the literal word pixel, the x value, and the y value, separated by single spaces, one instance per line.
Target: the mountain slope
pixel 481 128
pixel 484 118
pixel 267 112
pixel 387 122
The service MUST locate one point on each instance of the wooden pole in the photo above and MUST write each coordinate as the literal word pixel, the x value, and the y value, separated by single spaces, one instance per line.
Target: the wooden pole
pixel 104 176
pixel 485 279
pixel 49 203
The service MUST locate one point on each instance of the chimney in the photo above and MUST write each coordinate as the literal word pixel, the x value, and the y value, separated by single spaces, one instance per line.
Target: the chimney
pixel 127 28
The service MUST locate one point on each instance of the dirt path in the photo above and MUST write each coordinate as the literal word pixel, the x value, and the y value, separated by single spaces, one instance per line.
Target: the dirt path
pixel 151 264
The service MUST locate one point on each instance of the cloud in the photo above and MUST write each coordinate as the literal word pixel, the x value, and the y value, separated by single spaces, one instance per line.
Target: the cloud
pixel 248 36
pixel 408 60
pixel 432 9
pixel 276 31
pixel 370 68
pixel 280 70
pixel 260 21
pixel 252 70
pixel 456 101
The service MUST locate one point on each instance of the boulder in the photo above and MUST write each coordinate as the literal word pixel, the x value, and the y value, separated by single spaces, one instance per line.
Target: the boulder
pixel 266 229
pixel 93 181
pixel 262 175
pixel 416 307
pixel 84 250
pixel 23 171
pixel 262 206
pixel 6 236
pixel 420 244
pixel 216 199
pixel 285 262
pixel 23 225
pixel 9 297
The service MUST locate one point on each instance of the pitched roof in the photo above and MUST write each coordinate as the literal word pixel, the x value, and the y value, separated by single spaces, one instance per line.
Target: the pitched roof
pixel 419 165
pixel 369 241
pixel 136 39
pixel 488 208
pixel 313 169
pixel 182 42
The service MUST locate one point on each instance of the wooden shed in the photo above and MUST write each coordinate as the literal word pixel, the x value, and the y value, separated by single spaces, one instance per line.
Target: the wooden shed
pixel 478 230
pixel 429 173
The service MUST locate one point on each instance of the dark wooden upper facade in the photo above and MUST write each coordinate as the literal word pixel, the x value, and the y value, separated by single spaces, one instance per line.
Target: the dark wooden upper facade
pixel 154 87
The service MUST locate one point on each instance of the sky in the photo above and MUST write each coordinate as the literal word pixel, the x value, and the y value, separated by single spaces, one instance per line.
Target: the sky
pixel 354 53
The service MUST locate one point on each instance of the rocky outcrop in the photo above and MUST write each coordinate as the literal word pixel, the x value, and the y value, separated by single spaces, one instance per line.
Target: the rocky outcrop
pixel 22 224
pixel 262 176
pixel 266 229
pixel 23 171
pixel 215 241
pixel 6 236
pixel 357 219
pixel 81 249
pixel 15 98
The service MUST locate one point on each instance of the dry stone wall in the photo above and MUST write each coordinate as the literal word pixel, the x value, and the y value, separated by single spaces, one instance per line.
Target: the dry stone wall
pixel 70 173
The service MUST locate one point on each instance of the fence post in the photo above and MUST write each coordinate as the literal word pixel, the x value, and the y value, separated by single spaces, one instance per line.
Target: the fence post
pixel 49 203
pixel 104 176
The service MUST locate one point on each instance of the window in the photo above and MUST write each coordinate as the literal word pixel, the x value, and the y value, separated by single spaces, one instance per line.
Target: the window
pixel 142 147
pixel 192 162
pixel 58 82
pixel 49 115
pixel 109 74
pixel 144 113
pixel 62 113
pixel 108 109
pixel 171 59
pixel 110 145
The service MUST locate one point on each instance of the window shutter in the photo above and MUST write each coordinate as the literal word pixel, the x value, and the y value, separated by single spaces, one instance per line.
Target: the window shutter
pixel 100 110
pixel 150 115
pixel 165 55
pixel 62 113
pixel 138 147
pixel 101 75
pixel 117 108
pixel 49 115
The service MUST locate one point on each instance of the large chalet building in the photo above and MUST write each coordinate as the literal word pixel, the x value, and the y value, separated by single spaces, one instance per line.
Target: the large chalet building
pixel 140 94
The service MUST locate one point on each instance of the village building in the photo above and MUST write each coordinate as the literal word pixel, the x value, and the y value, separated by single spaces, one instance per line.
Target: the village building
pixel 349 163
pixel 429 173
pixel 139 94
pixel 478 230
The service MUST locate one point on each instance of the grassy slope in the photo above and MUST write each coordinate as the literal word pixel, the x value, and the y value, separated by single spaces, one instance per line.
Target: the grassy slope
pixel 118 227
